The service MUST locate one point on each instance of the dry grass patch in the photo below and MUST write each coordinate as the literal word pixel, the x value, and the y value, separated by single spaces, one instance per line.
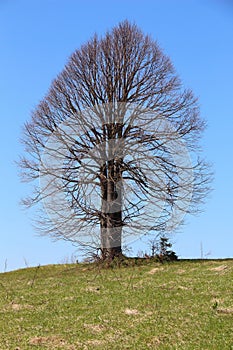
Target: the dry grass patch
pixel 183 288
pixel 92 289
pixel 219 268
pixel 95 328
pixel 18 307
pixel 154 343
pixel 131 311
pixel 53 341
pixel 225 310
pixel 155 269
pixel 95 342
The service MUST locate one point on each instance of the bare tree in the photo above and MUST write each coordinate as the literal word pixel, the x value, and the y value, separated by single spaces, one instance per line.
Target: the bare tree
pixel 115 144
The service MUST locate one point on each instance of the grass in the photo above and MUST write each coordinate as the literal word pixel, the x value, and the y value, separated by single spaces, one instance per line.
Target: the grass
pixel 182 305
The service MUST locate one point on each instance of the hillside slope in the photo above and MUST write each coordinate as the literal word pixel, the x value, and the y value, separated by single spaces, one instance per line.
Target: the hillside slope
pixel 182 305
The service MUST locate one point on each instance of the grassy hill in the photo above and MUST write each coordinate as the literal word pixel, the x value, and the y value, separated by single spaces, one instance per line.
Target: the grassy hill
pixel 182 305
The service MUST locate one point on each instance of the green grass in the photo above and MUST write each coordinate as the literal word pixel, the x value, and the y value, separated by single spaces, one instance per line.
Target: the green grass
pixel 182 305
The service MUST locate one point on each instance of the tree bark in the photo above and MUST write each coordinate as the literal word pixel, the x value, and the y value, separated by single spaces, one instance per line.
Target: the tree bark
pixel 111 198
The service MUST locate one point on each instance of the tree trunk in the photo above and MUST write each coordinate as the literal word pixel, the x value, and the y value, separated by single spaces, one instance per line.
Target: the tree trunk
pixel 111 220
pixel 111 202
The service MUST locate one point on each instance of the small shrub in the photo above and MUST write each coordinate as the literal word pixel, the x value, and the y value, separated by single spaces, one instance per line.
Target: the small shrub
pixel 161 250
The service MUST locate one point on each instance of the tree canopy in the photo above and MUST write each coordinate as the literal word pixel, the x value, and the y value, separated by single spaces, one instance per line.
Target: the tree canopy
pixel 115 144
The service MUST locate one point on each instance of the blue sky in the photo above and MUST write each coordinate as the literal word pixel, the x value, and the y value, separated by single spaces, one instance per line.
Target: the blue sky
pixel 36 39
